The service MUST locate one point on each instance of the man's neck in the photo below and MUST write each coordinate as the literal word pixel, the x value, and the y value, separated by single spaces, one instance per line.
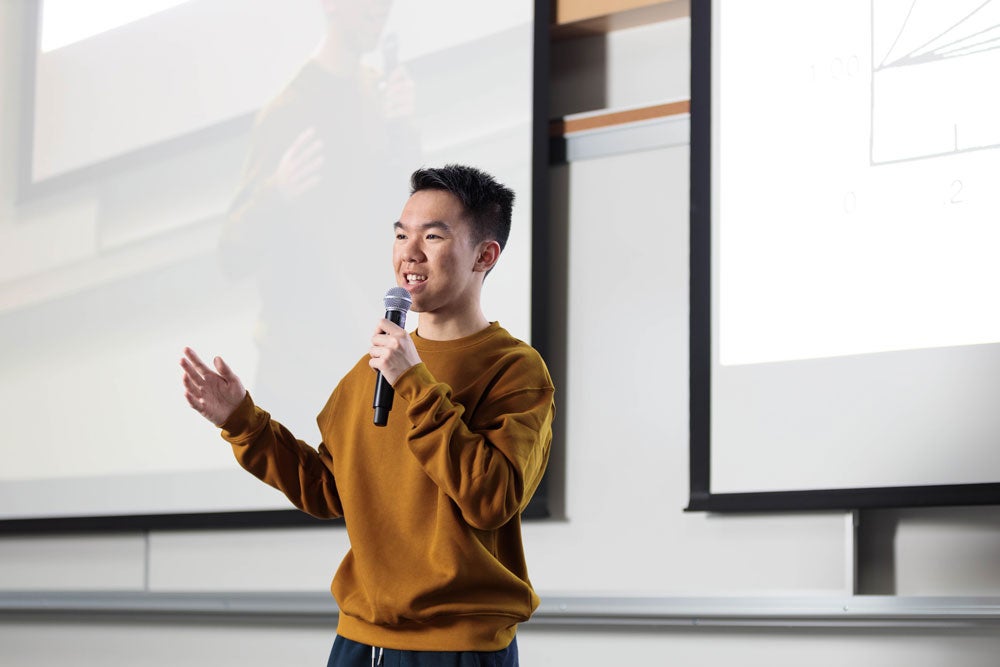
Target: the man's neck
pixel 433 327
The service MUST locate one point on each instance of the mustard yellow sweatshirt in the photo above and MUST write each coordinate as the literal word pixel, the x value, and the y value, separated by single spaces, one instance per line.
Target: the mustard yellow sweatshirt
pixel 431 501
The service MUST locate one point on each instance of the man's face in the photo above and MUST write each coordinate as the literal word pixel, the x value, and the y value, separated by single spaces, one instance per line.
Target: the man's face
pixel 434 256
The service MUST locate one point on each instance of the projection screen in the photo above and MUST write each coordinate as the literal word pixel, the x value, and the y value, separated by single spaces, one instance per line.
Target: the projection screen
pixel 156 216
pixel 845 220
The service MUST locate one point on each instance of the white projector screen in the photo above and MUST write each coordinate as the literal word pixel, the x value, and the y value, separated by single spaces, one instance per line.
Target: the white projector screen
pixel 286 283
pixel 848 280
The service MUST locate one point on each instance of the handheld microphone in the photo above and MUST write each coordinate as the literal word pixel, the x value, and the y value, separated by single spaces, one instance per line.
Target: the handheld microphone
pixel 397 303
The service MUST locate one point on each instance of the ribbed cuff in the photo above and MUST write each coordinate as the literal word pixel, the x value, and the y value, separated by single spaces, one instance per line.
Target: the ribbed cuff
pixel 409 384
pixel 243 421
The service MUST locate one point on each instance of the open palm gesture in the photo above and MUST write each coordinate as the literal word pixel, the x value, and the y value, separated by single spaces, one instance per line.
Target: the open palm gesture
pixel 214 394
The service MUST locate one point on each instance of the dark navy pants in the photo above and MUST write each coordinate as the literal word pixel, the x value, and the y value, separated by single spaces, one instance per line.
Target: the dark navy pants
pixel 347 653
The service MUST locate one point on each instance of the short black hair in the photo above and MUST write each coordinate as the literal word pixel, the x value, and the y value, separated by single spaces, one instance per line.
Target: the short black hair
pixel 488 202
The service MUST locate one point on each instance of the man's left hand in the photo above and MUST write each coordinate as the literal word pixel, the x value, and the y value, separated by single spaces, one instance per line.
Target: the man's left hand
pixel 392 351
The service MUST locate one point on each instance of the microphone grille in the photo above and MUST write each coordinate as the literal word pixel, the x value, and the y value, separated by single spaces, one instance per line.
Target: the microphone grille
pixel 397 298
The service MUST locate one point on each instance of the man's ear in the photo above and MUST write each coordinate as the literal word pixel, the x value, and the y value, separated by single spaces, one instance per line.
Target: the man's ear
pixel 489 253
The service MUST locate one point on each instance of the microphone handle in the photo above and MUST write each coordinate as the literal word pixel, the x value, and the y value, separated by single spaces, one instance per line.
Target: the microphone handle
pixel 383 390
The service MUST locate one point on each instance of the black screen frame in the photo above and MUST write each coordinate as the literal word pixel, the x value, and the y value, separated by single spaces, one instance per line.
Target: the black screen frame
pixel 701 497
pixel 541 276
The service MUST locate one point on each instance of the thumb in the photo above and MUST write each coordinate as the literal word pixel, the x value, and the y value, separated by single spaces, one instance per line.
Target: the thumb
pixel 224 370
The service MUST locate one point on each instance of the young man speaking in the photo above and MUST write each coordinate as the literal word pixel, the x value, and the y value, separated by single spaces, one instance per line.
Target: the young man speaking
pixel 436 573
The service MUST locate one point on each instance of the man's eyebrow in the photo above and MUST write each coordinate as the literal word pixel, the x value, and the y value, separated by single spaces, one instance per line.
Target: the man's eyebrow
pixel 433 224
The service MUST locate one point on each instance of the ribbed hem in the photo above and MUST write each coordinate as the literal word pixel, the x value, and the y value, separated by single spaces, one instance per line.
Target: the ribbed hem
pixel 480 632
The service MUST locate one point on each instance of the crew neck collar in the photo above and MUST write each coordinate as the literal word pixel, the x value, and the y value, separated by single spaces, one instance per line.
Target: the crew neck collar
pixel 425 344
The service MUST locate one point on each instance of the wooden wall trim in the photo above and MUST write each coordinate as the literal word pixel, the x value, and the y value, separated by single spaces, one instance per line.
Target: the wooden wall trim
pixel 584 18
pixel 563 126
pixel 570 11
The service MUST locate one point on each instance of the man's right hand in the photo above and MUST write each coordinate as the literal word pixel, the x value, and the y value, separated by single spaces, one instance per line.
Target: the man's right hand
pixel 300 166
pixel 214 394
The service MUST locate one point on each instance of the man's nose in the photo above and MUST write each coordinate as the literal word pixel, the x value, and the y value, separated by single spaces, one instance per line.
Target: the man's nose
pixel 412 250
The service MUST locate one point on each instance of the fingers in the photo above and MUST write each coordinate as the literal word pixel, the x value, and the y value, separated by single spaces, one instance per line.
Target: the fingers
pixel 223 368
pixel 198 376
pixel 311 157
pixel 194 363
pixel 300 165
pixel 392 351
pixel 386 326
pixel 306 153
pixel 214 394
pixel 388 339
pixel 195 385
pixel 192 385
pixel 298 188
pixel 194 391
pixel 305 137
pixel 190 372
pixel 382 343
pixel 195 403
pixel 380 357
pixel 200 405
pixel 387 335
pixel 302 173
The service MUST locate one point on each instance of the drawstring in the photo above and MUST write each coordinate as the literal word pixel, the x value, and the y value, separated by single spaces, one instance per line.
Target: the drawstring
pixel 376 663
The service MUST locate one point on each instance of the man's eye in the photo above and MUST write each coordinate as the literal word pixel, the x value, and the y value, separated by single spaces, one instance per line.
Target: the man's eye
pixel 400 237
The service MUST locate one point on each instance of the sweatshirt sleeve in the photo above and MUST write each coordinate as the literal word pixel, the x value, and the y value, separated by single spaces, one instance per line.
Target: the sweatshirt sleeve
pixel 491 469
pixel 270 452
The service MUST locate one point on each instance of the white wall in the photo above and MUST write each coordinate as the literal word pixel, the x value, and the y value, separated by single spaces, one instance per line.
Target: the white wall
pixel 623 471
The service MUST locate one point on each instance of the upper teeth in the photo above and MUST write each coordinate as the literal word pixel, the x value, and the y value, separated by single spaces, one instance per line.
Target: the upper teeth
pixel 413 277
